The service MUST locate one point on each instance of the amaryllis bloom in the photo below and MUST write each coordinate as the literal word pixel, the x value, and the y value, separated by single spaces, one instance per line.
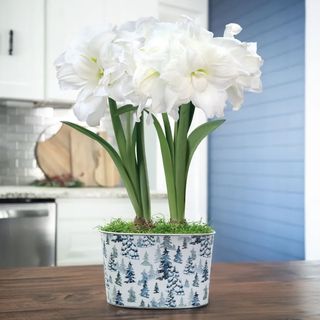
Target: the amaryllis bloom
pixel 81 68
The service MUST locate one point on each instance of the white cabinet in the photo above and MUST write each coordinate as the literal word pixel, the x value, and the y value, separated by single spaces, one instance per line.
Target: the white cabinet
pixel 22 71
pixel 78 240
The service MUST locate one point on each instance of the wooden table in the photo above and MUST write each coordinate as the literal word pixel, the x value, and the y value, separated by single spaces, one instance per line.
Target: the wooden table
pixel 278 291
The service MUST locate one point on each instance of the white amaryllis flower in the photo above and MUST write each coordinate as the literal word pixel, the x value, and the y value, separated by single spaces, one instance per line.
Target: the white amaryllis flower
pixel 81 67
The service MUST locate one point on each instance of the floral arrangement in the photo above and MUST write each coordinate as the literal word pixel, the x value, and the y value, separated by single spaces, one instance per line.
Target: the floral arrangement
pixel 151 69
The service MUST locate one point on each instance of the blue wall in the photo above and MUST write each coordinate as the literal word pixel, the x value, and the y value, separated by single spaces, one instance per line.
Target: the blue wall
pixel 256 160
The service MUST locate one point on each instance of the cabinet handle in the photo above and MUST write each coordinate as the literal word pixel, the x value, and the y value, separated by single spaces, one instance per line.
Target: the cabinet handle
pixel 10 42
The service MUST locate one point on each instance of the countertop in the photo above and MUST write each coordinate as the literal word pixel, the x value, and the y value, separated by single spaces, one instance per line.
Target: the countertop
pixel 64 193
pixel 261 291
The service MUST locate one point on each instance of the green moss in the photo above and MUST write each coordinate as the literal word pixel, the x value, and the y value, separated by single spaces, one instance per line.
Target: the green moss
pixel 159 226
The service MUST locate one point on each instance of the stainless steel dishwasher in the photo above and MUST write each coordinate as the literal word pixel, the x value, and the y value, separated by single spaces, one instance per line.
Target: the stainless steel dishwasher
pixel 27 232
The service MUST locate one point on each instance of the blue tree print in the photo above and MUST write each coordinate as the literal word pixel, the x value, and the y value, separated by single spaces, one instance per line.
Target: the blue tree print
pixel 195 240
pixel 142 304
pixel 181 304
pixel 122 266
pixel 154 303
pixel 156 288
pixel 174 283
pixel 130 274
pixel 112 265
pixel 171 301
pixel 189 268
pixel 145 290
pixel 129 248
pixel 184 243
pixel 162 301
pixel 205 293
pixel 165 265
pixel 186 284
pixel 118 299
pixel 205 272
pixel 118 280
pixel 205 247
pixel 132 295
pixel 193 254
pixel 195 282
pixel 145 261
pixel 144 277
pixel 166 243
pixel 195 300
pixel 116 238
pixel 146 241
pixel 157 255
pixel 178 256
pixel 151 274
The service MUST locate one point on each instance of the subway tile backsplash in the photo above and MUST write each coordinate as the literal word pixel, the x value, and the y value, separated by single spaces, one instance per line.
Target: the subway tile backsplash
pixel 20 128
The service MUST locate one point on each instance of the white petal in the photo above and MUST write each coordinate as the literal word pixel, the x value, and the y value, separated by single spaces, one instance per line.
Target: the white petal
pixel 231 30
pixel 91 110
pixel 211 101
pixel 235 96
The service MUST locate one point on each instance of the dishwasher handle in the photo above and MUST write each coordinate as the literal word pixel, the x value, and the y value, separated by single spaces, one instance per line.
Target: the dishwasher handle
pixel 22 213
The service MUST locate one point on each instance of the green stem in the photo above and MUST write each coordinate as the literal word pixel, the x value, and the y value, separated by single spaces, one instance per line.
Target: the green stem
pixel 143 172
pixel 180 159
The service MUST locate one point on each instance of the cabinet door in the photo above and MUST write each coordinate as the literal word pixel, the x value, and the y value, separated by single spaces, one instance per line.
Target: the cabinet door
pixel 22 71
pixel 78 239
pixel 65 18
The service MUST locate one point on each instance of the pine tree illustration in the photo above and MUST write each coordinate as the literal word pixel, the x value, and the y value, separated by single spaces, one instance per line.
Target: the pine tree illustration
pixel 189 268
pixel 129 248
pixel 145 261
pixel 178 256
pixel 162 301
pixel 165 265
pixel 105 249
pixel 146 241
pixel 195 240
pixel 181 304
pixel 195 300
pixel 114 294
pixel 199 267
pixel 110 280
pixel 205 293
pixel 145 290
pixel 142 304
pixel 166 243
pixel 118 280
pixel 122 267
pixel 157 255
pixel 151 274
pixel 144 277
pixel 195 282
pixel 156 288
pixel 107 239
pixel 205 246
pixel 118 300
pixel 130 274
pixel 157 239
pixel 186 284
pixel 116 238
pixel 191 296
pixel 132 295
pixel 185 243
pixel 193 254
pixel 115 251
pixel 112 265
pixel 171 301
pixel 174 283
pixel 154 303
pixel 205 272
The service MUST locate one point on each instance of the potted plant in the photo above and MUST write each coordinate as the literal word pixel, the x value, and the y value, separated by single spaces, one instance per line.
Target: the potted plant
pixel 150 69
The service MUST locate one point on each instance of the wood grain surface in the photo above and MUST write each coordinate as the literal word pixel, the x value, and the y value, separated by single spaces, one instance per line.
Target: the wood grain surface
pixel 279 291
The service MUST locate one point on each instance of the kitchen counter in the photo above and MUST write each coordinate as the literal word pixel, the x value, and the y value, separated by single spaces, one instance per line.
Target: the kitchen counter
pixel 65 193
pixel 262 291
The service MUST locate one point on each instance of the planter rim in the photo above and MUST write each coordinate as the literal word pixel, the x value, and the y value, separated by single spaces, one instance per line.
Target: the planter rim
pixel 159 234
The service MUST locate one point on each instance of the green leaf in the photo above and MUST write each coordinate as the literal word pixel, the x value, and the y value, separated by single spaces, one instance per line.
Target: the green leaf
pixel 125 109
pixel 116 159
pixel 168 168
pixel 143 172
pixel 167 128
pixel 198 134
pixel 118 129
